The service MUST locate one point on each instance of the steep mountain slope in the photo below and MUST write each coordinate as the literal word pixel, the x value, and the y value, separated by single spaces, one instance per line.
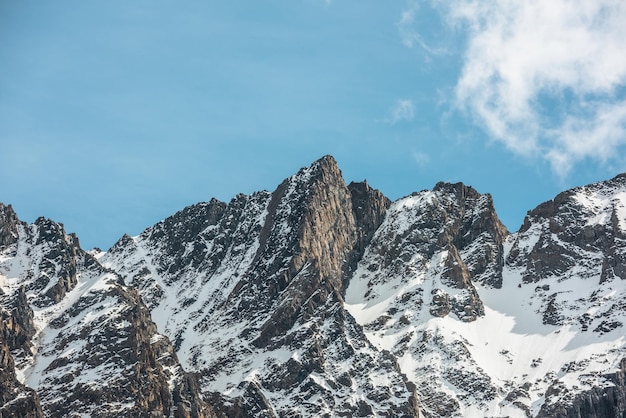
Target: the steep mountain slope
pixel 251 294
pixel 77 336
pixel 422 269
pixel 570 255
pixel 549 341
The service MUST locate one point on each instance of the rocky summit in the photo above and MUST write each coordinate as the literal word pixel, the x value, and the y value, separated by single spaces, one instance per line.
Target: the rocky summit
pixel 323 298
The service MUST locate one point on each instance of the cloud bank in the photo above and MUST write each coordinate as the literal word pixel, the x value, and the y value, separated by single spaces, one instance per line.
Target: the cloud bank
pixel 545 78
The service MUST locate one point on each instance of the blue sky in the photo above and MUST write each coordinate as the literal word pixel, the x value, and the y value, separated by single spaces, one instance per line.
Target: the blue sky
pixel 114 115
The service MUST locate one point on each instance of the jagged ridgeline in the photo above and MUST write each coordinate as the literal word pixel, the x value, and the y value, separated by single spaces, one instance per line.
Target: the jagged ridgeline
pixel 323 299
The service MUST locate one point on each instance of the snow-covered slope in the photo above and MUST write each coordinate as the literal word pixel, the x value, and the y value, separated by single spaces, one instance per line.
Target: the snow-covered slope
pixel 422 270
pixel 549 334
pixel 569 258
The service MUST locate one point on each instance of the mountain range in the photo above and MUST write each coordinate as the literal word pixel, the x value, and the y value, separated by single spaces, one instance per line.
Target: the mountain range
pixel 323 298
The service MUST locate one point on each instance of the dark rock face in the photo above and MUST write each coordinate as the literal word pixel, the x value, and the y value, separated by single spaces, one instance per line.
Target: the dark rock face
pixel 456 274
pixel 16 400
pixel 188 401
pixel 567 218
pixel 17 317
pixel 16 331
pixel 8 226
pixel 369 207
pixel 476 232
pixel 598 402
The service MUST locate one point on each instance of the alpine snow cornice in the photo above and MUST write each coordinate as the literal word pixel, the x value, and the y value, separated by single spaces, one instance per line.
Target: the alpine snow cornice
pixel 323 299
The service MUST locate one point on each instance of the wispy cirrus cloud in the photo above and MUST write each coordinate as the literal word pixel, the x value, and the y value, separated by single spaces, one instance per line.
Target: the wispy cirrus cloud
pixel 411 35
pixel 422 159
pixel 402 110
pixel 544 78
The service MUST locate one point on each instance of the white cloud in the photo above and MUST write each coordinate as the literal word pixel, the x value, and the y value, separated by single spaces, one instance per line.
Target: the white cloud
pixel 544 77
pixel 404 109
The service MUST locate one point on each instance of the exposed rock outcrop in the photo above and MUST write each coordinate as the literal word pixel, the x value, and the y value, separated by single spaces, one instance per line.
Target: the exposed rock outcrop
pixel 369 206
pixel 16 400
pixel 605 400
pixel 8 226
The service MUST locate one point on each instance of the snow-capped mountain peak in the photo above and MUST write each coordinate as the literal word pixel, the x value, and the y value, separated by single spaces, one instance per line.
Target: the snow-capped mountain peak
pixel 323 299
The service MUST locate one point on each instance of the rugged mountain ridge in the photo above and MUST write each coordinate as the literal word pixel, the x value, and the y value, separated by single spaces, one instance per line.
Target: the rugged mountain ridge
pixel 571 251
pixel 426 259
pixel 267 273
pixel 323 299
pixel 77 336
